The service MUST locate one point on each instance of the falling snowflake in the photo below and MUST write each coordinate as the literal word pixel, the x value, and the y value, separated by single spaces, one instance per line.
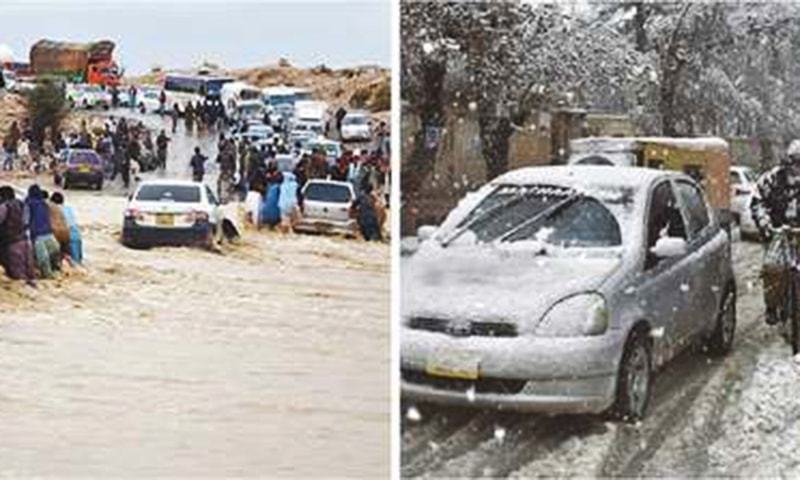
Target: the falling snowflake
pixel 499 433
pixel 413 414
pixel 471 394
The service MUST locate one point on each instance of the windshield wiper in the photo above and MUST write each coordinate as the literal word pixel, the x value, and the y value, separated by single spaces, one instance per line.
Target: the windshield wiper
pixel 546 213
pixel 482 215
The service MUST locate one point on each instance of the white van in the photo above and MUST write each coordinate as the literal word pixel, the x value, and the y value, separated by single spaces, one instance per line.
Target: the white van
pixel 233 94
pixel 312 115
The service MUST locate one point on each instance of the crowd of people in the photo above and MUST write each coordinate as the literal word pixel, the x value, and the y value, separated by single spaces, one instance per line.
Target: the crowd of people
pixel 37 234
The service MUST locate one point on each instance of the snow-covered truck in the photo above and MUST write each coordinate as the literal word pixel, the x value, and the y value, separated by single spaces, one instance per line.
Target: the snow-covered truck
pixel 91 62
pixel 707 160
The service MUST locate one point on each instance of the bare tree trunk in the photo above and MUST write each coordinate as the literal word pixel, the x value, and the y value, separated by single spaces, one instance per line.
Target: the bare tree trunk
pixel 420 162
pixel 495 143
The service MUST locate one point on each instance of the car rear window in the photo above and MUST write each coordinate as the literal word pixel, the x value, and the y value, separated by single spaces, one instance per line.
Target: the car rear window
pixel 172 193
pixel 78 158
pixel 327 192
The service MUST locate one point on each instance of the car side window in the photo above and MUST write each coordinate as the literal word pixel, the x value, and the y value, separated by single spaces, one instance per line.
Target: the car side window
pixel 211 198
pixel 696 208
pixel 664 219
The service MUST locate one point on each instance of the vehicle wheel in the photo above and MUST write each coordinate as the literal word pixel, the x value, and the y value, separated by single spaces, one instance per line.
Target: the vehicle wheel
pixel 635 378
pixel 721 341
pixel 100 185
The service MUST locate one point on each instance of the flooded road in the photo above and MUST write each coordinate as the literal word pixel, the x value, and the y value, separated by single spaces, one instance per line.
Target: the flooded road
pixel 269 359
pixel 735 416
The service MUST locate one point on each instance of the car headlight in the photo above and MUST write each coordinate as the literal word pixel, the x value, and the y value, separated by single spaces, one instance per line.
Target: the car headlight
pixel 579 315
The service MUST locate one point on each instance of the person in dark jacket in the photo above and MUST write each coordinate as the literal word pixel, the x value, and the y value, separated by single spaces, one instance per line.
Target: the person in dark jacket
pixel 364 210
pixel 46 248
pixel 198 164
pixel 16 253
pixel 776 204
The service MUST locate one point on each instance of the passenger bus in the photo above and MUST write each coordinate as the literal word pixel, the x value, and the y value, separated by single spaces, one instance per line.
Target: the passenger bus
pixel 202 85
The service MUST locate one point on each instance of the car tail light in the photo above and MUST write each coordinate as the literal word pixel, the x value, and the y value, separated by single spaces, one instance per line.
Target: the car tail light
pixel 196 216
pixel 134 214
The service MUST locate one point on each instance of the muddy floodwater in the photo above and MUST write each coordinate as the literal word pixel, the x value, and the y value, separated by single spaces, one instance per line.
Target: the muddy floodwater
pixel 269 359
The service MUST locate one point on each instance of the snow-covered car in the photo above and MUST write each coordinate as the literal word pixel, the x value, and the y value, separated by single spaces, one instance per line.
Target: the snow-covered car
pixel 173 212
pixel 743 187
pixel 562 289
pixel 326 207
pixel 356 128
pixel 87 96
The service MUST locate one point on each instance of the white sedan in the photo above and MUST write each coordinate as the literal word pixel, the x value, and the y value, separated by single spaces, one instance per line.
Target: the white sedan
pixel 175 212
pixel 355 128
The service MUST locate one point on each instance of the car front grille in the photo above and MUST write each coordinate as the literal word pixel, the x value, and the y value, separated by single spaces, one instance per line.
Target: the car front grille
pixel 464 329
pixel 481 385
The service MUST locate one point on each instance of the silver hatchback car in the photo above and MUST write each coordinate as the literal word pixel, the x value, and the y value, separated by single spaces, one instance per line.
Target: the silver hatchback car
pixel 562 289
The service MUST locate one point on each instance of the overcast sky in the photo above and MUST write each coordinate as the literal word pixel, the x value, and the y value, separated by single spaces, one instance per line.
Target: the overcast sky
pixel 182 33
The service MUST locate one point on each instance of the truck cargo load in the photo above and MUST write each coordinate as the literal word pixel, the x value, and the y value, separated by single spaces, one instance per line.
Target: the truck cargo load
pixel 78 62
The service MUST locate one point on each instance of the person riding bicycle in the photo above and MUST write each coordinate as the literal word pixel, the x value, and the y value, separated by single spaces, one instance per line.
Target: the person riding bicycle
pixel 775 205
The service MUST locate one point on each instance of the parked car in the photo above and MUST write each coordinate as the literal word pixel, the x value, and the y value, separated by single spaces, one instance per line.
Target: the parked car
pixel 149 100
pixel 82 167
pixel 355 127
pixel 743 187
pixel 563 289
pixel 255 133
pixel 332 148
pixel 171 212
pixel 87 96
pixel 285 162
pixel 326 207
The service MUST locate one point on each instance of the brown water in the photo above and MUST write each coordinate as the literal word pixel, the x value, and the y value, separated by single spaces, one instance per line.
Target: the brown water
pixel 271 359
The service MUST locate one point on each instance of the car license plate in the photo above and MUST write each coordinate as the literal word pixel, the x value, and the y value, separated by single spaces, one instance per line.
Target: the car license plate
pixel 452 363
pixel 84 169
pixel 165 219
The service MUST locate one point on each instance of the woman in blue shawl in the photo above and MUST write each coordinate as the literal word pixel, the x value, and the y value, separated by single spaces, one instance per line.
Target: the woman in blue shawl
pixel 270 209
pixel 287 202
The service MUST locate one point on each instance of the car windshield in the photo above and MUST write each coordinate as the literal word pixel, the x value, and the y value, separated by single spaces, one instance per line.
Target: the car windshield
pixel 549 214
pixel 83 158
pixel 169 193
pixel 355 120
pixel 327 192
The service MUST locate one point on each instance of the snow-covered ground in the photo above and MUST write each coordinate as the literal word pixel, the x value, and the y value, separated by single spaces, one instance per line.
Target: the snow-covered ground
pixel 269 359
pixel 738 416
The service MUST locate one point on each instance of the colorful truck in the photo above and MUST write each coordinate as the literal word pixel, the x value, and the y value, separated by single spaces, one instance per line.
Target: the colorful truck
pixel 78 62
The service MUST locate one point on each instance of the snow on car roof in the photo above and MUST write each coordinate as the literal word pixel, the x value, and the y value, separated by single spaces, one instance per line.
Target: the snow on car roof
pixel 602 176
pixel 628 143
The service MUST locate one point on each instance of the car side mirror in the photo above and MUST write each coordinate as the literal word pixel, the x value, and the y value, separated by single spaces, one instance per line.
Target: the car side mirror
pixel 425 232
pixel 668 247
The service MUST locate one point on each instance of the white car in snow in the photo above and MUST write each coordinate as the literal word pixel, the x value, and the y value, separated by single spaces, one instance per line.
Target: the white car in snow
pixel 326 207
pixel 175 212
pixel 563 289
pixel 356 127
pixel 743 187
